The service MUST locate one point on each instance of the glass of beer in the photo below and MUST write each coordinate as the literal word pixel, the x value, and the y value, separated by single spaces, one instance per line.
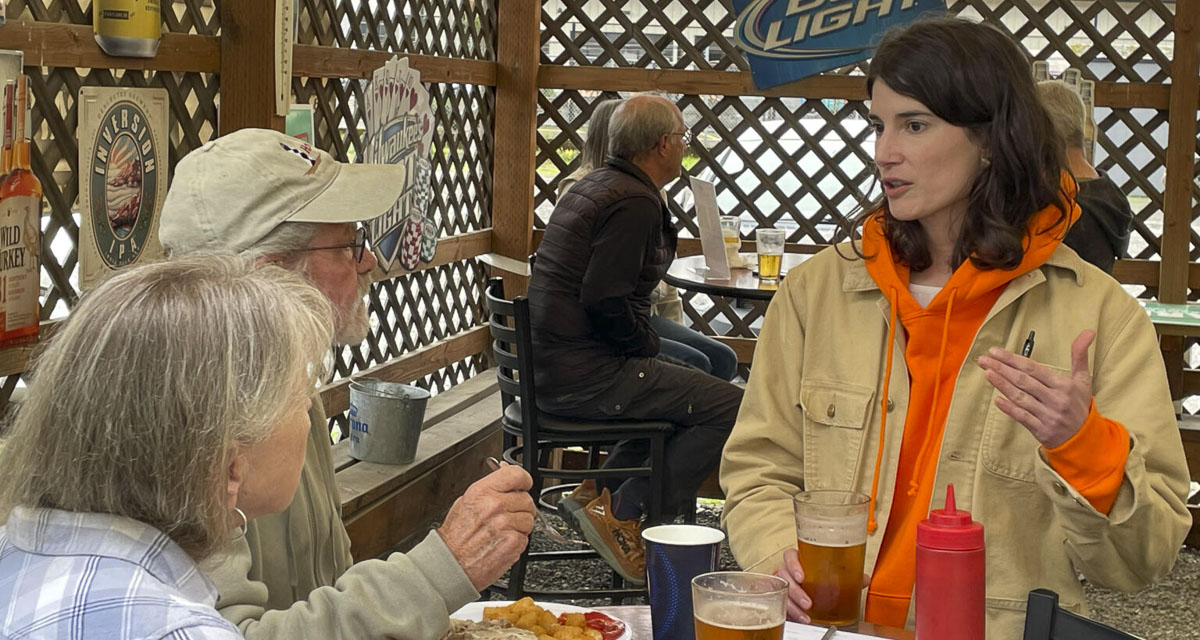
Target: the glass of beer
pixel 770 253
pixel 731 234
pixel 831 533
pixel 739 605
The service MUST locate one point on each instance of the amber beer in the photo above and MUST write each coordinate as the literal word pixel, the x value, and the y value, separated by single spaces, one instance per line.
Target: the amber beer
pixel 768 266
pixel 831 537
pixel 711 631
pixel 833 578
pixel 739 605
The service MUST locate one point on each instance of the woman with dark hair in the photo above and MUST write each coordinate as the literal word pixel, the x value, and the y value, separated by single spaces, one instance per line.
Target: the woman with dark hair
pixel 890 367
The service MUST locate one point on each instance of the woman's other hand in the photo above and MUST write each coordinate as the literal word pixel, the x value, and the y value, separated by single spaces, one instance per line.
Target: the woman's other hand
pixel 1050 405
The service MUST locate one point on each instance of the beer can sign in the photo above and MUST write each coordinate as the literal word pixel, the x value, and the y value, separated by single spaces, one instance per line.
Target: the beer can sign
pixel 128 28
pixel 122 183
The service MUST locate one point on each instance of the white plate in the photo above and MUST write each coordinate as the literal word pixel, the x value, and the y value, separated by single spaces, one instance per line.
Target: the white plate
pixel 474 611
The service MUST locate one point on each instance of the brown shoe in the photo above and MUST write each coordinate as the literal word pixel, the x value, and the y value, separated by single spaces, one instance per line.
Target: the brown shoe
pixel 576 500
pixel 619 542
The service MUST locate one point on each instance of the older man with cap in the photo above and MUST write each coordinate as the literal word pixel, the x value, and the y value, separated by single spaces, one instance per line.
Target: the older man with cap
pixel 274 198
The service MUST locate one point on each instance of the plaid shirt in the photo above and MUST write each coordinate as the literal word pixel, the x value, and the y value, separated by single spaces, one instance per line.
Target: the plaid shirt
pixel 66 575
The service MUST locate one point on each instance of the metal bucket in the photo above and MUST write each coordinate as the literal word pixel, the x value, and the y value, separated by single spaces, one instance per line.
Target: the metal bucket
pixel 385 420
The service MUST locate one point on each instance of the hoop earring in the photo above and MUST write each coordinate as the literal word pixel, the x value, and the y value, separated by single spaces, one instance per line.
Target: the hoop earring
pixel 241 530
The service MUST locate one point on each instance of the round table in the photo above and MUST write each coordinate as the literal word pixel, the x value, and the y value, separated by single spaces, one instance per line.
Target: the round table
pixel 685 273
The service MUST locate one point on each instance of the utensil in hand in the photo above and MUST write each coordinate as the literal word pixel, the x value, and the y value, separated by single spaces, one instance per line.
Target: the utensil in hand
pixel 538 517
pixel 829 633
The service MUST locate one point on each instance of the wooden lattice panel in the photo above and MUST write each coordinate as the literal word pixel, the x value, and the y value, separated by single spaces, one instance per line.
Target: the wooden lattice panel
pixel 1129 41
pixel 453 28
pixel 55 154
pixel 179 16
pixel 414 311
pixel 461 172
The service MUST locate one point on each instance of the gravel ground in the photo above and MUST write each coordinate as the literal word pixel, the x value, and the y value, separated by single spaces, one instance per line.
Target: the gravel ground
pixel 1165 611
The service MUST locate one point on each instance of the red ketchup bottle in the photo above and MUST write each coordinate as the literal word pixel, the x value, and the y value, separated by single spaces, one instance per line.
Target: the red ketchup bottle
pixel 950 575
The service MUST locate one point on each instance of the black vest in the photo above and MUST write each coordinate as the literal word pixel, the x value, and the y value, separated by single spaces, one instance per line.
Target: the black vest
pixel 569 354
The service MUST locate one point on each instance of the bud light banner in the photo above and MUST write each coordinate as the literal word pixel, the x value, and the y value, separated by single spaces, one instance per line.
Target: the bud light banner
pixel 787 40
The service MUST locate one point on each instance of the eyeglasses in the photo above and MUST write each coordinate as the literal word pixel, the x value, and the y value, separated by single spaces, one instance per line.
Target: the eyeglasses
pixel 359 245
pixel 684 136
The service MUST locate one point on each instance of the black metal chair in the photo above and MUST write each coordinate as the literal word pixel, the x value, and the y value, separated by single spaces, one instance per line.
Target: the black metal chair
pixel 1045 620
pixel 531 435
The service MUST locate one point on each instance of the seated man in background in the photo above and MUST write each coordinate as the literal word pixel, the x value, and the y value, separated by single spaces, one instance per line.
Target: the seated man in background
pixel 666 307
pixel 273 198
pixel 1101 235
pixel 607 245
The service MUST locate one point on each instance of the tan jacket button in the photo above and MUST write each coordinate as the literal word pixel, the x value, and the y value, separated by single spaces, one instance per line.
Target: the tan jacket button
pixel 831 411
pixel 890 405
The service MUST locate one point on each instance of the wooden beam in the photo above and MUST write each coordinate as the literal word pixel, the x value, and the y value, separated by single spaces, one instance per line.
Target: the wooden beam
pixel 70 45
pixel 514 160
pixel 247 67
pixel 740 83
pixel 1181 149
pixel 450 249
pixel 1177 191
pixel 422 362
pixel 337 62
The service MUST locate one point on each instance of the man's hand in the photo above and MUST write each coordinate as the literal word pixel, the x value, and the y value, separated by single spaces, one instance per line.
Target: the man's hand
pixel 798 601
pixel 1051 406
pixel 488 527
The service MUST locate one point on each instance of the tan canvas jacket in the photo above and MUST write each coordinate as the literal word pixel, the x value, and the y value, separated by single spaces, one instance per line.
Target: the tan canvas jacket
pixel 292 577
pixel 810 420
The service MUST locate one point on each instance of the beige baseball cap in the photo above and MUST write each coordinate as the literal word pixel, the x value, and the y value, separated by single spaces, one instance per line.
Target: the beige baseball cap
pixel 230 193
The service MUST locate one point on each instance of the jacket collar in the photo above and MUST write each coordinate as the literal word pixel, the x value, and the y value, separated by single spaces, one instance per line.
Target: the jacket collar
pixel 67 533
pixel 625 166
pixel 857 279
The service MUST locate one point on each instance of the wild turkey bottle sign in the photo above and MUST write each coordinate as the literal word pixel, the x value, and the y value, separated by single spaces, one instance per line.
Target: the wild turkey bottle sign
pixel 122 157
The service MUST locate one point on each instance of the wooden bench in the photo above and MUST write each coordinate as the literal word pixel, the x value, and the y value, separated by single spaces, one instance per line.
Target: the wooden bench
pixel 385 506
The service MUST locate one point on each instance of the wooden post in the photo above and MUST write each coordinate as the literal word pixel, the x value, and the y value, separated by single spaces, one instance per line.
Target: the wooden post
pixel 1177 196
pixel 518 48
pixel 247 67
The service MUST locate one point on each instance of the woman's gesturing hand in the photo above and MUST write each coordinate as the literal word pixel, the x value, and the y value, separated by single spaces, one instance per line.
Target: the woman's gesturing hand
pixel 1050 405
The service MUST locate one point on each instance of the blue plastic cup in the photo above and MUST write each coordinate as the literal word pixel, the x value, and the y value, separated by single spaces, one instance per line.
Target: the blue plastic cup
pixel 676 553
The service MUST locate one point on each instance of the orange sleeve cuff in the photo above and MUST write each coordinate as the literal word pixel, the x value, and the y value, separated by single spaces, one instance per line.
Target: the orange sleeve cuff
pixel 1093 460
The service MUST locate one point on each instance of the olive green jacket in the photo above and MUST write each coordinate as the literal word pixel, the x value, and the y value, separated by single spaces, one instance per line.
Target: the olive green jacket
pixel 810 420
pixel 292 576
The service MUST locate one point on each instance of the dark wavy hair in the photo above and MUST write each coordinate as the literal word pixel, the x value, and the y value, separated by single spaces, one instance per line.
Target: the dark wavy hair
pixel 974 76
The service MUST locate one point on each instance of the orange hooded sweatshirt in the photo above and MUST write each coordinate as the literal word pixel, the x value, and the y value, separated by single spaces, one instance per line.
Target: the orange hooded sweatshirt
pixel 939 337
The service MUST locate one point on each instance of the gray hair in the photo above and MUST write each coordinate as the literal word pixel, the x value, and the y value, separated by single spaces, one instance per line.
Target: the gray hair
pixel 638 124
pixel 595 148
pixel 138 401
pixel 1066 110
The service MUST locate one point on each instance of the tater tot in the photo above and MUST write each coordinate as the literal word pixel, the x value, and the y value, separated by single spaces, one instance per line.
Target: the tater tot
pixel 575 620
pixel 593 634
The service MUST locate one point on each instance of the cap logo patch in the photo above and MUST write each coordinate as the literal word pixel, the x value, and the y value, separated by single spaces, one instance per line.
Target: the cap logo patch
pixel 305 152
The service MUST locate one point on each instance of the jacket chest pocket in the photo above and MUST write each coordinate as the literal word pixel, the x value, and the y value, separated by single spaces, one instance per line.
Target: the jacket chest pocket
pixel 835 417
pixel 1009 450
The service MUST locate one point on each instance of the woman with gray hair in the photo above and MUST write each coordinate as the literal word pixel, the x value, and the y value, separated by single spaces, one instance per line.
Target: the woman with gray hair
pixel 167 411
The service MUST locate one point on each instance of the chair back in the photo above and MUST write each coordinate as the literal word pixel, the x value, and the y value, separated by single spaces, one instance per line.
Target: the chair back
pixel 512 347
pixel 1045 620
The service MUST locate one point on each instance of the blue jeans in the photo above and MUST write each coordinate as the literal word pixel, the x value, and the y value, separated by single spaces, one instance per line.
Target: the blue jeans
pixel 695 348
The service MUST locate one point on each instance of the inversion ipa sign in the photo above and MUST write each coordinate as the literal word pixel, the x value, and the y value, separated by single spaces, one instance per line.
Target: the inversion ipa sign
pixel 122 178
pixel 787 40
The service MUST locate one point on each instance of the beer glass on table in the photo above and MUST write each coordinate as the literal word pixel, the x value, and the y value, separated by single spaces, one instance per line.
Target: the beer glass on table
pixel 770 252
pixel 739 605
pixel 731 234
pixel 831 535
